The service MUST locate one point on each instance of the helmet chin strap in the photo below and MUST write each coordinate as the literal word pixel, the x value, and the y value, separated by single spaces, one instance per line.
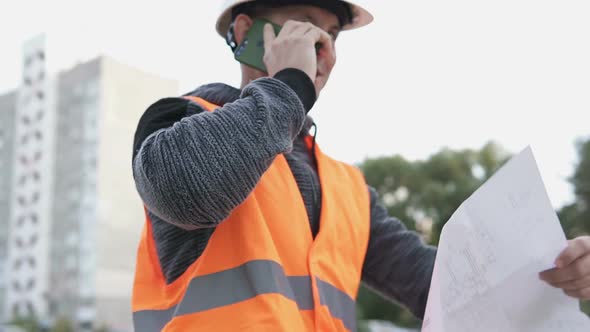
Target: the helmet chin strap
pixel 230 38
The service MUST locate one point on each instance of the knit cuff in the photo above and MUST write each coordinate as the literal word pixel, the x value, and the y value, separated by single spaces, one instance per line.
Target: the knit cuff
pixel 299 82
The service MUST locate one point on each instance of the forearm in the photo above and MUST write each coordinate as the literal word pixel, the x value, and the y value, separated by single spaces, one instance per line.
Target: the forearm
pixel 194 173
pixel 398 264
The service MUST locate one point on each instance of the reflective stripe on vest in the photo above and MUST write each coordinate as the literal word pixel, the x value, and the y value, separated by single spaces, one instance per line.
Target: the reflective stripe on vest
pixel 244 282
pixel 262 269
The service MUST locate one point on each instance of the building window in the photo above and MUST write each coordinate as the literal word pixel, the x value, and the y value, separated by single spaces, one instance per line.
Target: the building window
pixel 38 135
pixel 20 221
pixel 41 76
pixel 40 95
pixel 30 309
pixel 28 81
pixel 30 284
pixel 16 285
pixel 16 310
pixel 35 197
pixel 34 218
pixel 41 55
pixel 22 180
pixel 36 176
pixel 31 261
pixel 38 154
pixel 21 200
pixel 39 115
pixel 17 263
pixel 24 160
pixel 33 240
pixel 26 120
pixel 19 242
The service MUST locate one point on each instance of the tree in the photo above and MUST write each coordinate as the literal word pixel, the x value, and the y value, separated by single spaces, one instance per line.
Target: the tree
pixel 424 195
pixel 27 323
pixel 63 325
pixel 575 217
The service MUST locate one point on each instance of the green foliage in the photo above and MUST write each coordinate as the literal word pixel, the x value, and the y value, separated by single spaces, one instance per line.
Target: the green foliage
pixel 63 325
pixel 27 323
pixel 432 189
pixel 372 306
pixel 424 192
pixel 575 217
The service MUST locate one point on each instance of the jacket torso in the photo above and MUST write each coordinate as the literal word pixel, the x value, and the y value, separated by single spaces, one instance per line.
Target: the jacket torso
pixel 262 269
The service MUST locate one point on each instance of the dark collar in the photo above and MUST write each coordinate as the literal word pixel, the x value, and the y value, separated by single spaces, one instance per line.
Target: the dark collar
pixel 216 93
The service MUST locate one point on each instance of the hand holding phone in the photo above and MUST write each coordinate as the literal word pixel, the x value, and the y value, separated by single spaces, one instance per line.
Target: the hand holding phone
pixel 294 47
pixel 272 48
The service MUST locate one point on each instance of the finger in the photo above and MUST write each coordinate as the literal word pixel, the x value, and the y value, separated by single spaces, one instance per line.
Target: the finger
pixel 302 28
pixel 582 294
pixel 577 270
pixel 268 35
pixel 320 36
pixel 574 284
pixel 288 27
pixel 576 248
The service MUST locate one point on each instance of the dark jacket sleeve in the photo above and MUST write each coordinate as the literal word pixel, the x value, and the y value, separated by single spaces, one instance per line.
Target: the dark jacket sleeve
pixel 398 264
pixel 194 171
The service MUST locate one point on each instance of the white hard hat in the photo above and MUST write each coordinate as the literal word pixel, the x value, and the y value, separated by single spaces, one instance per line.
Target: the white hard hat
pixel 360 16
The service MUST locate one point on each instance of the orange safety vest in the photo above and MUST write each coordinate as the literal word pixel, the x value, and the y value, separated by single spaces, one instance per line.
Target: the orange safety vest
pixel 262 270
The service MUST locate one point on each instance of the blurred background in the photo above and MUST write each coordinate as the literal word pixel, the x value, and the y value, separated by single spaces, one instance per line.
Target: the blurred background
pixel 428 100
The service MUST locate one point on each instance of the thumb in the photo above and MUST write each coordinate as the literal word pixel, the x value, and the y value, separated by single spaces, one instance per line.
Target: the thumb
pixel 268 35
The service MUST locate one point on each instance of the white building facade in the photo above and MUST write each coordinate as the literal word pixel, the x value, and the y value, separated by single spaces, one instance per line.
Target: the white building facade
pixel 28 243
pixel 75 217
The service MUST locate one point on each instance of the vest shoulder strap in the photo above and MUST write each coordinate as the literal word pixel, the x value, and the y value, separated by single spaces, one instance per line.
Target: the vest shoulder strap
pixel 202 102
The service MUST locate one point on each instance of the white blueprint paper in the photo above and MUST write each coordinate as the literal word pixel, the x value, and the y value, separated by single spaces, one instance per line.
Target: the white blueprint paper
pixel 490 253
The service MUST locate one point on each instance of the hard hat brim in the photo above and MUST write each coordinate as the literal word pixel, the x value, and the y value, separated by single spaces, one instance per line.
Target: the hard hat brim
pixel 360 17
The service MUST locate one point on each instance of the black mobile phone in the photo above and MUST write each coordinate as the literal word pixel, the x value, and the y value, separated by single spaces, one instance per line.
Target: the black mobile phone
pixel 251 49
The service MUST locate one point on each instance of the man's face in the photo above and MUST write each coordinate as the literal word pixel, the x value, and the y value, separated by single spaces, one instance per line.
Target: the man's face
pixel 319 17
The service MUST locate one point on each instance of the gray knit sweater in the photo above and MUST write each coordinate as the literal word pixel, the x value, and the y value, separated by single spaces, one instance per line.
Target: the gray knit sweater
pixel 192 168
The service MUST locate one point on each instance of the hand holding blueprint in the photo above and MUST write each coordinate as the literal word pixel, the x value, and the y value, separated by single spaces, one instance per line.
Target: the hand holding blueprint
pixel 489 257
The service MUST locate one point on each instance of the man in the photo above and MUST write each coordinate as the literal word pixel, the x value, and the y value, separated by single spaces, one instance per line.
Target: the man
pixel 249 225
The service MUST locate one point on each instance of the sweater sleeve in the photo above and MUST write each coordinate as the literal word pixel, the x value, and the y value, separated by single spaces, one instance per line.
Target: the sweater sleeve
pixel 398 264
pixel 196 171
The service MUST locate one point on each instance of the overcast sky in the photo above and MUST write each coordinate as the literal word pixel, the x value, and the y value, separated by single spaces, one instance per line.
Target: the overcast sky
pixel 424 75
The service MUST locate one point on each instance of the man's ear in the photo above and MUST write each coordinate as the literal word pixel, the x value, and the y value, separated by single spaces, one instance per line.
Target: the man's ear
pixel 242 24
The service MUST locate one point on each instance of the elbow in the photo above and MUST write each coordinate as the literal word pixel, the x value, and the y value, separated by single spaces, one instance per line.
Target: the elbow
pixel 170 192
